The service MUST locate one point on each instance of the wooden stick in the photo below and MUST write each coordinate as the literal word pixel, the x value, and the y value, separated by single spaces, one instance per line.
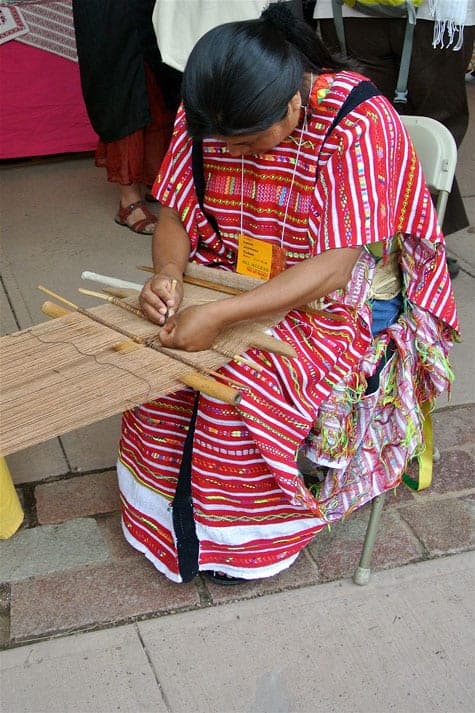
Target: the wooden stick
pixel 50 309
pixel 120 292
pixel 171 310
pixel 199 382
pixel 250 283
pixel 268 343
pixel 91 315
pixel 113 300
pixel 240 360
pixel 202 381
pixel 58 297
pixel 199 282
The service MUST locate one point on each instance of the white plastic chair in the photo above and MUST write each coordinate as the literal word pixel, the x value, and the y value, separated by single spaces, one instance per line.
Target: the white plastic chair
pixel 436 149
pixel 437 152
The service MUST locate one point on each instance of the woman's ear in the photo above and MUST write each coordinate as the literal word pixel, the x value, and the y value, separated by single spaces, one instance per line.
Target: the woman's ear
pixel 295 103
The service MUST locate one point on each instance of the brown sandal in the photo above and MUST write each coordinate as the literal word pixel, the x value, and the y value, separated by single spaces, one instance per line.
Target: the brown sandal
pixel 144 226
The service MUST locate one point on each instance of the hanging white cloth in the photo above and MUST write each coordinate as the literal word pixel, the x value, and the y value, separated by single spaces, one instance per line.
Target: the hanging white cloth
pixel 450 17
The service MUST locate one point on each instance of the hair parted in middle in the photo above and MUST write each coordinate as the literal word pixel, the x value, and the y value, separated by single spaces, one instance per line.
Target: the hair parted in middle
pixel 240 76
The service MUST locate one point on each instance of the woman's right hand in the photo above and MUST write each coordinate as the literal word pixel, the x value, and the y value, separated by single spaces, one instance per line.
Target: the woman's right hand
pixel 161 297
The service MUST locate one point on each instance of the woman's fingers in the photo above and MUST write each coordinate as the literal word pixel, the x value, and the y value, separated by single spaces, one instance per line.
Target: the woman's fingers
pixel 191 330
pixel 160 298
pixel 151 304
pixel 167 334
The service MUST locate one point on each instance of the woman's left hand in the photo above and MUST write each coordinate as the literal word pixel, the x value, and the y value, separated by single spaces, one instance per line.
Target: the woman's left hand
pixel 192 329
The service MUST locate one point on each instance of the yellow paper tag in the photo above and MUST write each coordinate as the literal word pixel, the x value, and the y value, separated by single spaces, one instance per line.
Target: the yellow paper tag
pixel 259 259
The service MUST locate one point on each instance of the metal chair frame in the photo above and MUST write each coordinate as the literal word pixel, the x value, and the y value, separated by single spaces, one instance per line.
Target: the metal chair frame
pixel 437 152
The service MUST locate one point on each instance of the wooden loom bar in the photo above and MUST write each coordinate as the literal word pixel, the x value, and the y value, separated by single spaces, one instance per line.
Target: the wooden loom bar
pixel 74 371
pixel 274 344
pixel 263 341
pixel 202 282
pixel 202 381
pixel 234 284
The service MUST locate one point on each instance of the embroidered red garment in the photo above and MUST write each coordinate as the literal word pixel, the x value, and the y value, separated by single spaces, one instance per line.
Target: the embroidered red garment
pixel 360 184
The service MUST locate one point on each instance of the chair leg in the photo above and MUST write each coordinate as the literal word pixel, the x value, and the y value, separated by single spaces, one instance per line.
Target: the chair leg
pixel 363 571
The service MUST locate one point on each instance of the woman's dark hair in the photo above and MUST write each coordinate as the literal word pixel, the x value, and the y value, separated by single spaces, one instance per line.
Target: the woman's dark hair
pixel 240 76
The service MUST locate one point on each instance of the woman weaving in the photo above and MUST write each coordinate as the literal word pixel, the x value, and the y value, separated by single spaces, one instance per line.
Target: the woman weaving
pixel 304 155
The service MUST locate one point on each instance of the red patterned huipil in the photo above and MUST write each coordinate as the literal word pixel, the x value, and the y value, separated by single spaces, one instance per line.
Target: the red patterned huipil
pixel 360 184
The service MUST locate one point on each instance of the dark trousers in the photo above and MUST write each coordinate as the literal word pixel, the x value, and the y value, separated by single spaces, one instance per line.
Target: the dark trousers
pixel 436 82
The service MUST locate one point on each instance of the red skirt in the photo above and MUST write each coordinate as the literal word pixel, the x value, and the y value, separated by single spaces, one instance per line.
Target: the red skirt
pixel 137 157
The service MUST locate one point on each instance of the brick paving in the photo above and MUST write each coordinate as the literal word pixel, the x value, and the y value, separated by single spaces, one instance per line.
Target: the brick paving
pixel 69 568
pixel 77 497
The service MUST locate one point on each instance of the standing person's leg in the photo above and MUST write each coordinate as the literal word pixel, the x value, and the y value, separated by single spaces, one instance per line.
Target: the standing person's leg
pixel 370 41
pixel 113 86
pixel 158 133
pixel 133 162
pixel 123 161
pixel 436 82
pixel 437 88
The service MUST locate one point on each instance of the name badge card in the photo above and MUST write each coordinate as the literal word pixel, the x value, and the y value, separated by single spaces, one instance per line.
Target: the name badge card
pixel 259 259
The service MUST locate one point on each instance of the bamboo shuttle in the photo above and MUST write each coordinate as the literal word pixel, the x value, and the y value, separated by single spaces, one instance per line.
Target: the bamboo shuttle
pixel 113 300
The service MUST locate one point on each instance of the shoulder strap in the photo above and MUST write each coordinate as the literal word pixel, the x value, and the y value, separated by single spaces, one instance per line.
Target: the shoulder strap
pixel 199 179
pixel 364 90
pixel 400 94
pixel 337 7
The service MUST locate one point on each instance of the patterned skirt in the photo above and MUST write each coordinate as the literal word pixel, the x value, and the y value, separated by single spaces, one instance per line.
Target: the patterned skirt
pixel 230 497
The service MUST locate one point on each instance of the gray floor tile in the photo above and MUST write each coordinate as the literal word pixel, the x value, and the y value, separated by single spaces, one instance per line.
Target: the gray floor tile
pixel 93 673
